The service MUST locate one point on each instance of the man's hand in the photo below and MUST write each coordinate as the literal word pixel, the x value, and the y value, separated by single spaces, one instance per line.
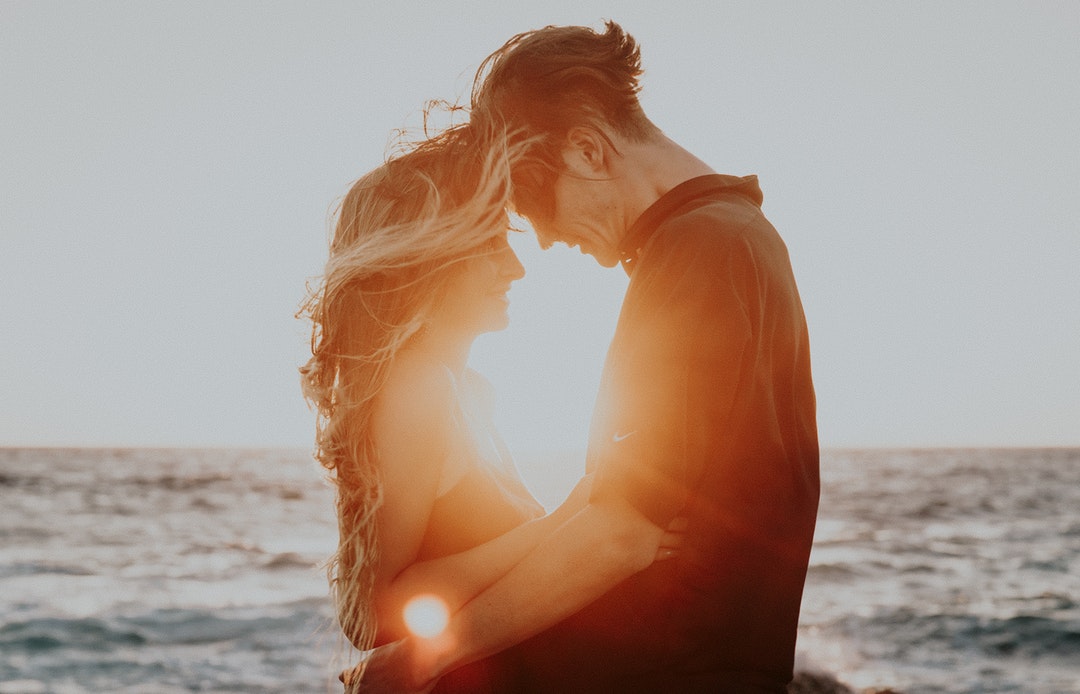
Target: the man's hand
pixel 391 669
pixel 672 541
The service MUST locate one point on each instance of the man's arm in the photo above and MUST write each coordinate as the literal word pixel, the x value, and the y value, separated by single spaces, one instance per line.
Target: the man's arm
pixel 588 555
pixel 459 577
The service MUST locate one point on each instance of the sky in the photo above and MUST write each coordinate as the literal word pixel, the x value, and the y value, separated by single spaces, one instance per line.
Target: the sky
pixel 168 173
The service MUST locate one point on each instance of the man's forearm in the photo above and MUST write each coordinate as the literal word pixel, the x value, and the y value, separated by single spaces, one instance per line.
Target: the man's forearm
pixel 588 555
pixel 459 577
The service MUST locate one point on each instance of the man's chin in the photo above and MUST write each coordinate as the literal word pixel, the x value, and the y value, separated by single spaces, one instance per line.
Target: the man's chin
pixel 606 261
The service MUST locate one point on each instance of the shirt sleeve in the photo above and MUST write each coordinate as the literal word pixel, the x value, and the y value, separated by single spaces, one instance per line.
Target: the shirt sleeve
pixel 675 363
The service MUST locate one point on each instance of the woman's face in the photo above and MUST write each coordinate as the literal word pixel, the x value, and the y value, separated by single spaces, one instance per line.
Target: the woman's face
pixel 475 299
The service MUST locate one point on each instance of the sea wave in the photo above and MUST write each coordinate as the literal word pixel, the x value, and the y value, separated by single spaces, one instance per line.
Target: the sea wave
pixel 166 571
pixel 50 633
pixel 34 568
pixel 964 635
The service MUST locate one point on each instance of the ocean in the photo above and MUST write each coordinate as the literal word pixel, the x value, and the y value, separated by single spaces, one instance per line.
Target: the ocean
pixel 159 571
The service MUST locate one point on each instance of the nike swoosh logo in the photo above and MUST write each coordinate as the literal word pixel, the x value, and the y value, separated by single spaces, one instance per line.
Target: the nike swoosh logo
pixel 621 437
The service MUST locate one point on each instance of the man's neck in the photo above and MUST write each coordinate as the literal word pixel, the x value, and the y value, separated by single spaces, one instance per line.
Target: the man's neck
pixel 650 169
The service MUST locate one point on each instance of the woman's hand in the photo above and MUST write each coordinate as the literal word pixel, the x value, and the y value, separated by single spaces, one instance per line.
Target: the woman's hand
pixel 575 501
pixel 578 497
pixel 671 542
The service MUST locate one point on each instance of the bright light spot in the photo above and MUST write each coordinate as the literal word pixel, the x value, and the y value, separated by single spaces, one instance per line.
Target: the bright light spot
pixel 426 616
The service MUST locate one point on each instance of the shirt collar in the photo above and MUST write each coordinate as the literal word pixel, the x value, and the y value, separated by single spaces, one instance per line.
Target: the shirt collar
pixel 642 230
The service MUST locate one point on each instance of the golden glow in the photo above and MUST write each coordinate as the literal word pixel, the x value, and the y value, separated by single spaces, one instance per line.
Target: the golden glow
pixel 545 367
pixel 426 616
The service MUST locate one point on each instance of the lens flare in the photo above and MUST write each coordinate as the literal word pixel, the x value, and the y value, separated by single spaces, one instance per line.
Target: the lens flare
pixel 426 616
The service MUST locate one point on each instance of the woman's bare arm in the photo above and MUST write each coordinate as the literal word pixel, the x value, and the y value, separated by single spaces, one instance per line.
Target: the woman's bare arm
pixel 584 558
pixel 458 578
pixel 417 434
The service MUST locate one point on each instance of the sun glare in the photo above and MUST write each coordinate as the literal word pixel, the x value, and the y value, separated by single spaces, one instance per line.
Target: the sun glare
pixel 426 616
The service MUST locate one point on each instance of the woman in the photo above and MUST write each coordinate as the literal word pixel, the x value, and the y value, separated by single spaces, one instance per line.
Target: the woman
pixel 428 500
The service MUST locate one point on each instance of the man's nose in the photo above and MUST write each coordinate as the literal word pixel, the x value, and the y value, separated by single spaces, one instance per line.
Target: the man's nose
pixel 545 240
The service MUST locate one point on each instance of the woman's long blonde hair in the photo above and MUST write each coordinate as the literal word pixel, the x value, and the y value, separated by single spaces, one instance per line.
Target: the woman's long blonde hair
pixel 397 231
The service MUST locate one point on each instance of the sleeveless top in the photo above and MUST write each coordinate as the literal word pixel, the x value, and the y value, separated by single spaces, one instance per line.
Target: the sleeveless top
pixel 480 497
pixel 480 494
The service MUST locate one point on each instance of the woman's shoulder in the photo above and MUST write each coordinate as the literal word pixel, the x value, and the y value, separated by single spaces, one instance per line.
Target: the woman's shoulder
pixel 479 390
pixel 417 392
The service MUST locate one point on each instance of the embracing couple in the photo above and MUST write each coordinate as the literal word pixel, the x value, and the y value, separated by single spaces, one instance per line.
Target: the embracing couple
pixel 677 563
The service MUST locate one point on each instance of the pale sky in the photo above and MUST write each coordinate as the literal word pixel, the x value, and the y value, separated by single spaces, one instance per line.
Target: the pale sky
pixel 167 172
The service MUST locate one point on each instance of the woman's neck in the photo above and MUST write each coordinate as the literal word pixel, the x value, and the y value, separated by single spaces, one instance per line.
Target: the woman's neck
pixel 447 347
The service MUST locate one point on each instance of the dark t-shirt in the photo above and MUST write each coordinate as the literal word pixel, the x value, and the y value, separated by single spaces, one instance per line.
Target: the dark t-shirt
pixel 706 410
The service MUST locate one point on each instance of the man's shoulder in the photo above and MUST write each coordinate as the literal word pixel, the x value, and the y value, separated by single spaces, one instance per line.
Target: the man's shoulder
pixel 711 228
pixel 712 220
pixel 698 235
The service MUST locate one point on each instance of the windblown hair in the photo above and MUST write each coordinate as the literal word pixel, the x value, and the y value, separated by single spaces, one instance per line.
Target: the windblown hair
pixel 542 83
pixel 398 231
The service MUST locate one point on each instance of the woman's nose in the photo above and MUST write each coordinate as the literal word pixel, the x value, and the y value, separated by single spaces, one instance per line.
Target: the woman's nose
pixel 511 265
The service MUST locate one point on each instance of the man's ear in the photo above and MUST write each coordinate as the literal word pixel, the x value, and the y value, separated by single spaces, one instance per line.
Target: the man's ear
pixel 586 152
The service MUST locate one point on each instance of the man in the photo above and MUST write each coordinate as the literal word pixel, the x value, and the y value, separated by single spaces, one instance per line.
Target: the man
pixel 706 410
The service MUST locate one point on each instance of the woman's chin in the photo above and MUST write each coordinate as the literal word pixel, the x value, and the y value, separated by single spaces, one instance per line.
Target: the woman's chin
pixel 496 322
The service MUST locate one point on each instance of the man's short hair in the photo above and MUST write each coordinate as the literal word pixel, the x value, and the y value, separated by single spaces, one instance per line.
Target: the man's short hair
pixel 542 83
